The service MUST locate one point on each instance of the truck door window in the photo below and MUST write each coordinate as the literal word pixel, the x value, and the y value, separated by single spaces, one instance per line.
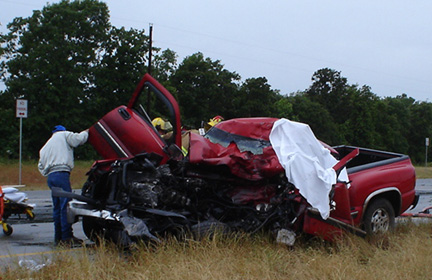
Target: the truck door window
pixel 152 104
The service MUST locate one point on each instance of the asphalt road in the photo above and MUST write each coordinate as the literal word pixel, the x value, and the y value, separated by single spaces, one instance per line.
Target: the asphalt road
pixel 424 189
pixel 32 241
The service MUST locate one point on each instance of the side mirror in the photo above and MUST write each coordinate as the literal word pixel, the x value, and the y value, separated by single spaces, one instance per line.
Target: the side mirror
pixel 175 152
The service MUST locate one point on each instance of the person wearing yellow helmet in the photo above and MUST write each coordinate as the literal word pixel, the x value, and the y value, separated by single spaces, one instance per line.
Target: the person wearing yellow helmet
pixel 163 127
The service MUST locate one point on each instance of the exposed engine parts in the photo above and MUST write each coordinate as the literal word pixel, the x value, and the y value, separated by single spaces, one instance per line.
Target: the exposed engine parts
pixel 135 186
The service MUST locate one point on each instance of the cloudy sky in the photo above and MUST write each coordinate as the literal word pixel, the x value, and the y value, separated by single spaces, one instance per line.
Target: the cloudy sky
pixel 385 44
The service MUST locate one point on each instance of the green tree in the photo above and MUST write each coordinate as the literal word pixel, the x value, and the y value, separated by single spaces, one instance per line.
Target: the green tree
pixel 204 89
pixel 165 65
pixel 329 88
pixel 359 121
pixel 122 64
pixel 257 99
pixel 71 65
pixel 421 127
pixel 48 60
pixel 283 108
pixel 395 123
pixel 318 118
pixel 9 130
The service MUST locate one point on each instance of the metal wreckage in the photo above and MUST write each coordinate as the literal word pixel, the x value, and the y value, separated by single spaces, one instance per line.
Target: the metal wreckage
pixel 249 174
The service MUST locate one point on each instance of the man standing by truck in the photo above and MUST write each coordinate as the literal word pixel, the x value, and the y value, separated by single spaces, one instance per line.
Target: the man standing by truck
pixel 56 162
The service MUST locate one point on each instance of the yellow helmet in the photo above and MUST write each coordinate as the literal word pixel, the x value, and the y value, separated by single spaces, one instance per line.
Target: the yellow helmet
pixel 214 121
pixel 159 123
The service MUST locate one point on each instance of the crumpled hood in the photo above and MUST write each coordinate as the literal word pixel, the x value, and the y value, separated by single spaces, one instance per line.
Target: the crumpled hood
pixel 241 144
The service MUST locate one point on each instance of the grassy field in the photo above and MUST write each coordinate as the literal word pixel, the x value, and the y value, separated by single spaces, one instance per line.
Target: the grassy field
pixel 30 176
pixel 423 172
pixel 403 254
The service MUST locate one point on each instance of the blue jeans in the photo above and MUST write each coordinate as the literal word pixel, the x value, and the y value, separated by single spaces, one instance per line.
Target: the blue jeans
pixel 62 229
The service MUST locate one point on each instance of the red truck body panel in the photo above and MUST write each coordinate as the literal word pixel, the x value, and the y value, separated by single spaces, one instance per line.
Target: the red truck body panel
pixel 124 132
pixel 115 137
pixel 397 177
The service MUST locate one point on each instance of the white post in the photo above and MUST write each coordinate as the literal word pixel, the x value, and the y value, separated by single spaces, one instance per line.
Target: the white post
pixel 427 145
pixel 21 112
pixel 20 152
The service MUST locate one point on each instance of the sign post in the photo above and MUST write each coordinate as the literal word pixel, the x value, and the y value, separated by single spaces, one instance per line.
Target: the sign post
pixel 427 145
pixel 21 112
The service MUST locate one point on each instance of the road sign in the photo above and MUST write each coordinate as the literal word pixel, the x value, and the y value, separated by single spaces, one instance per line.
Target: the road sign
pixel 21 108
pixel 427 142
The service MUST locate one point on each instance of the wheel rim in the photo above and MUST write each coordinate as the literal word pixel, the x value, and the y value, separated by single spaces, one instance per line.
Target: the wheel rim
pixel 380 221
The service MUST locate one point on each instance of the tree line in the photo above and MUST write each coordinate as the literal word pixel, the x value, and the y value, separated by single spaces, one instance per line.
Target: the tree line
pixel 73 67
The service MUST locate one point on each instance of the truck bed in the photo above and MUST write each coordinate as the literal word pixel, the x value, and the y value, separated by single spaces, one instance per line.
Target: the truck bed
pixel 368 158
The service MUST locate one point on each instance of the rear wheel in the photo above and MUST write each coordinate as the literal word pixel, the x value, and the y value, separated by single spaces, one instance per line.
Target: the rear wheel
pixel 379 217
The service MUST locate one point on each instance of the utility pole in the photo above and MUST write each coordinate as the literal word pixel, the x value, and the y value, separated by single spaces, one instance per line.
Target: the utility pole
pixel 149 67
pixel 150 49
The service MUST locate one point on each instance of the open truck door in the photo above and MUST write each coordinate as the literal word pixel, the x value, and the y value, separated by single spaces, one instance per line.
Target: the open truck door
pixel 128 130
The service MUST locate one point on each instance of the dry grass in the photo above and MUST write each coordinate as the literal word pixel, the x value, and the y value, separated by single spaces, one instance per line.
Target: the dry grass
pixel 33 180
pixel 403 254
pixel 423 172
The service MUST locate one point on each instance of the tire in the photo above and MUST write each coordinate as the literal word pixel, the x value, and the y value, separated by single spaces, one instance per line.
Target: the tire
pixel 379 217
pixel 92 229
pixel 208 229
pixel 7 230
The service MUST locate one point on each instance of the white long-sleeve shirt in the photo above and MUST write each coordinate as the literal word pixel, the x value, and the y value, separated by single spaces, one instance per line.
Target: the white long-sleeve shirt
pixel 57 153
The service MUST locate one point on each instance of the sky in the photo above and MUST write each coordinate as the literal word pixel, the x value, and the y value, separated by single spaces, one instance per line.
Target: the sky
pixel 384 44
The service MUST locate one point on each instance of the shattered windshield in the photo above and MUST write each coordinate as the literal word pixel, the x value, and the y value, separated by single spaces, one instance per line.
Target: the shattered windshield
pixel 255 146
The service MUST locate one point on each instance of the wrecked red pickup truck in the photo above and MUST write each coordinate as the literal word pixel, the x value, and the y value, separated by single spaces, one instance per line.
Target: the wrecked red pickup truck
pixel 250 174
